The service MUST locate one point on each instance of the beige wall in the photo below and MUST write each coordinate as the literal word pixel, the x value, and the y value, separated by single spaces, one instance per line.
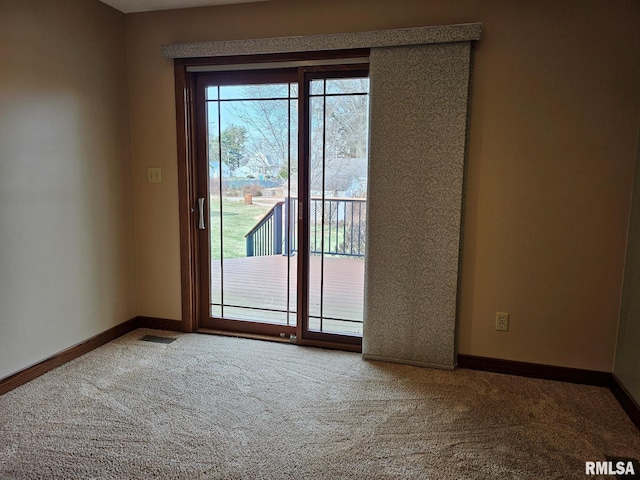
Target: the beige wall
pixel 67 268
pixel 555 105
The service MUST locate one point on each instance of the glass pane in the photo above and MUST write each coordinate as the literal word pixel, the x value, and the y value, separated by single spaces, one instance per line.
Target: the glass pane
pixel 329 325
pixel 316 211
pixel 248 92
pixel 339 132
pixel 290 177
pixel 214 184
pixel 347 85
pixel 317 87
pixel 293 90
pixel 347 139
pixel 212 93
pixel 255 147
pixel 337 86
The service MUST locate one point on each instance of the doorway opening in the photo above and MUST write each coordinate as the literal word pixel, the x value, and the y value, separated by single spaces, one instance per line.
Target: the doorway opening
pixel 279 164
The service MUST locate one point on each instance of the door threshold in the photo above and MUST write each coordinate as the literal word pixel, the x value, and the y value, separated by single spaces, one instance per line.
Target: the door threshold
pixel 271 338
pixel 252 336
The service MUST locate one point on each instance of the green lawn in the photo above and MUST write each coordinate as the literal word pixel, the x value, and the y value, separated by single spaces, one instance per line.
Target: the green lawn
pixel 237 220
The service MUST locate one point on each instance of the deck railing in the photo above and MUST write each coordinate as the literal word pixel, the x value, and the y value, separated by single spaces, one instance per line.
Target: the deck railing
pixel 266 237
pixel 338 227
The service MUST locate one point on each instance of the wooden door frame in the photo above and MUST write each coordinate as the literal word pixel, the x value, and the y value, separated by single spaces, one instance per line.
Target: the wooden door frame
pixel 186 142
pixel 187 193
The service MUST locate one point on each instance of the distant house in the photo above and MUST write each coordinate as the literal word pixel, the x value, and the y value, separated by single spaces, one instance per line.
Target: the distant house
pixel 258 165
pixel 214 170
pixel 242 172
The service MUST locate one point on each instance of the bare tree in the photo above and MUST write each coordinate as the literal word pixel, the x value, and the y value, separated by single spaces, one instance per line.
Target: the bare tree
pixel 272 124
pixel 339 125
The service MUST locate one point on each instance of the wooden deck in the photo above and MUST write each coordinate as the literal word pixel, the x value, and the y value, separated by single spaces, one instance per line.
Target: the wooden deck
pixel 255 288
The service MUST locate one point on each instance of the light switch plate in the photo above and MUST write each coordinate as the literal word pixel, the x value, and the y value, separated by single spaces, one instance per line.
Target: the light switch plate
pixel 154 175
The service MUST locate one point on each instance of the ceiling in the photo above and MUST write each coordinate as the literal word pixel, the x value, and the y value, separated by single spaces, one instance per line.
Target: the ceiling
pixel 130 6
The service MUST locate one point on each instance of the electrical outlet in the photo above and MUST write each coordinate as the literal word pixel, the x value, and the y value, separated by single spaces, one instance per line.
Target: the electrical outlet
pixel 502 321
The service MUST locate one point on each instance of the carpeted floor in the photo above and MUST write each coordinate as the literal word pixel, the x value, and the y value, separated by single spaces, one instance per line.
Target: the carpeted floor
pixel 225 408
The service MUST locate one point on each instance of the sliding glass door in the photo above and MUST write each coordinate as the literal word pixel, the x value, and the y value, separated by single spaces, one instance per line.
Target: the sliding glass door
pixel 282 157
pixel 337 199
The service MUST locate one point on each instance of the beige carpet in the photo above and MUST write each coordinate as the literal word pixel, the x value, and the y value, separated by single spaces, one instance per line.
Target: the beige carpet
pixel 225 408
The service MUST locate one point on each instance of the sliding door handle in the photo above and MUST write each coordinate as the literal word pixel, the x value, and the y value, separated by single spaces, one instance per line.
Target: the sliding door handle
pixel 201 213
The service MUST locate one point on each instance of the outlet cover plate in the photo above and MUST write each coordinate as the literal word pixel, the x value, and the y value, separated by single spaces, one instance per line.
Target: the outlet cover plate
pixel 502 321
